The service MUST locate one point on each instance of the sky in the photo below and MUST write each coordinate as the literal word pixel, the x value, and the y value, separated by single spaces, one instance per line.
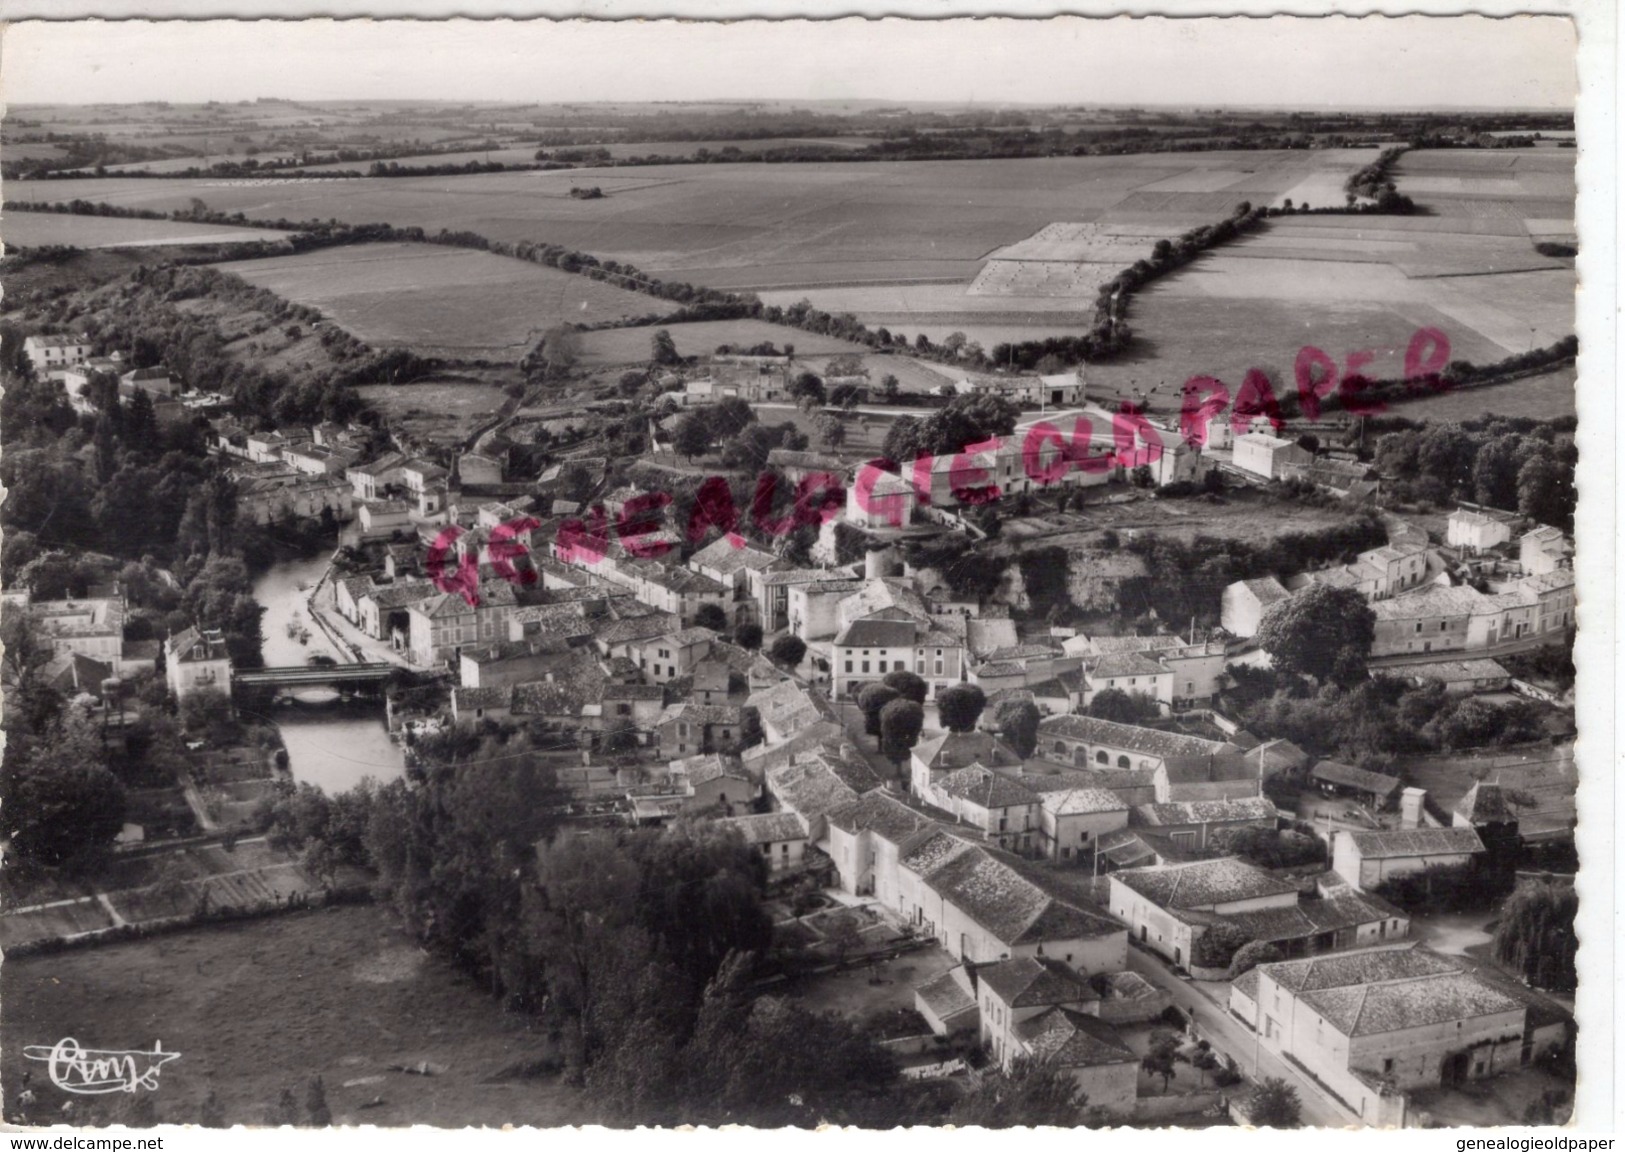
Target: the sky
pixel 1408 62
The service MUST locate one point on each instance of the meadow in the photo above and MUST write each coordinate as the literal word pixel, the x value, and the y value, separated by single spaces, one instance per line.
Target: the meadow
pixel 443 410
pixel 612 346
pixel 260 1007
pixel 451 302
pixel 39 229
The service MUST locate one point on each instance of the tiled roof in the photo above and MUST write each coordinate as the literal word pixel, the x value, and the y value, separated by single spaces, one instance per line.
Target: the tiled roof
pixel 1071 1039
pixel 1025 982
pixel 934 851
pixel 1371 1009
pixel 729 554
pixel 1450 671
pixel 1348 776
pixel 809 789
pixel 563 696
pixel 1204 812
pixel 1267 589
pixel 636 628
pixel 1151 741
pixel 944 996
pixel 962 749
pixel 711 766
pixel 1123 664
pixel 694 713
pixel 1114 780
pixel 1080 801
pixel 1430 602
pixel 1226 767
pixel 787 706
pixel 767 827
pixel 1372 965
pixel 481 697
pixel 878 634
pixel 887 592
pixel 1417 842
pixel 994 894
pixel 882 814
pixel 1246 984
pixel 985 788
pixel 1203 883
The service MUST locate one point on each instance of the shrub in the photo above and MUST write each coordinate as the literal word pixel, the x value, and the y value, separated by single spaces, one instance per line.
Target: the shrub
pixel 1250 956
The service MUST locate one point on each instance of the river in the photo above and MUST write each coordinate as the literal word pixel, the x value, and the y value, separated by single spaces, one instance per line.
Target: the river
pixel 331 745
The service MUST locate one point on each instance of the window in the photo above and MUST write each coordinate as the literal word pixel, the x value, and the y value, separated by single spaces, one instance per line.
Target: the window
pixel 939 668
pixel 866 665
pixel 1122 762
pixel 1101 758
pixel 1387 1065
pixel 1083 837
pixel 1059 749
pixel 1418 625
pixel 919 666
pixel 1441 625
pixel 849 665
pixel 1066 853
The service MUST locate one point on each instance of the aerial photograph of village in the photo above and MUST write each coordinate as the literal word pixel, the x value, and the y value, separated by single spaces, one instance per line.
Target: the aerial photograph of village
pixel 709 606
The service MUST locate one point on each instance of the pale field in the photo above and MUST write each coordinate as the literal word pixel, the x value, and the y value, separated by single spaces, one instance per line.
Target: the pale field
pixel 38 229
pixel 453 301
pixel 829 223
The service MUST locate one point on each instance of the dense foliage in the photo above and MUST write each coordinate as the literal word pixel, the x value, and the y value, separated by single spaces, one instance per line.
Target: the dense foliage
pixel 1535 935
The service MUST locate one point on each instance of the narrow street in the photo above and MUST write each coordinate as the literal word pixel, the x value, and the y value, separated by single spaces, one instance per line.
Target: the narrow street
pixel 1236 1040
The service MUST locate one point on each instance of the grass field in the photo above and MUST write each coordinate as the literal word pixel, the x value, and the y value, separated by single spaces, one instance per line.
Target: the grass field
pixel 443 410
pixel 257 1008
pixel 37 229
pixel 442 301
pixel 632 345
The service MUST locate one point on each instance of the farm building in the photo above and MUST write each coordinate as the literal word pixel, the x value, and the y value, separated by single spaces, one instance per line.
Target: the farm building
pixel 1242 605
pixel 1156 902
pixel 1265 455
pixel 1457 676
pixel 1370 788
pixel 1365 859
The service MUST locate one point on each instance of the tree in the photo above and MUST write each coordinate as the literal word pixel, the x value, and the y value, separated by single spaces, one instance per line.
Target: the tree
pixel 808 391
pixel 1546 491
pixel 1217 946
pixel 712 616
pixel 748 636
pixel 960 707
pixel 787 650
pixel 1205 1061
pixel 1250 956
pixel 1162 1058
pixel 209 712
pixel 1274 1104
pixel 889 387
pixel 1321 632
pixel 692 436
pixel 1018 722
pixel 900 724
pixel 561 346
pixel 1123 707
pixel 62 804
pixel 750 727
pixel 1031 1094
pixel 831 431
pixel 663 349
pixel 316 1110
pixel 907 684
pixel 872 700
pixel 1535 935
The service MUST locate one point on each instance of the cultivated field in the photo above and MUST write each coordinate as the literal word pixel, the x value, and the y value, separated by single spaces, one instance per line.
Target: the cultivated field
pixel 443 301
pixel 38 229
pixel 764 225
pixel 1513 184
pixel 257 1008
pixel 443 410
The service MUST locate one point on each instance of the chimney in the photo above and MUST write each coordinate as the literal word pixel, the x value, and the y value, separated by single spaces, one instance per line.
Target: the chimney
pixel 874 564
pixel 1410 807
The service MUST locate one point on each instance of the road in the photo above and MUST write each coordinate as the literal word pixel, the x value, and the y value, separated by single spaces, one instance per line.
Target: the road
pixel 1235 1039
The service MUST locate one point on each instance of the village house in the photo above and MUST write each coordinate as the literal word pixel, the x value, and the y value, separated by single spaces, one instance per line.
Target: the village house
pixel 1432 620
pixel 669 655
pixel 316 460
pixel 729 560
pixel 1191 826
pixel 426 486
pixel 779 836
pixel 797 466
pixel 1476 531
pixel 373 481
pixel 713 781
pixel 937 754
pixel 1265 455
pixel 634 706
pixel 1072 820
pixel 1005 812
pixel 1375 1024
pixel 676 590
pixel 268 499
pixel 90 626
pixel 809 788
pixel 1459 677
pixel 46 353
pixel 1156 902
pixel 1402 564
pixel 688 729
pixel 475 469
pixel 438 628
pixel 1544 549
pixel 381 611
pixel 880 500
pixel 1242 605
pixel 493 702
pixel 381 518
pixel 196 661
pixel 156 382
